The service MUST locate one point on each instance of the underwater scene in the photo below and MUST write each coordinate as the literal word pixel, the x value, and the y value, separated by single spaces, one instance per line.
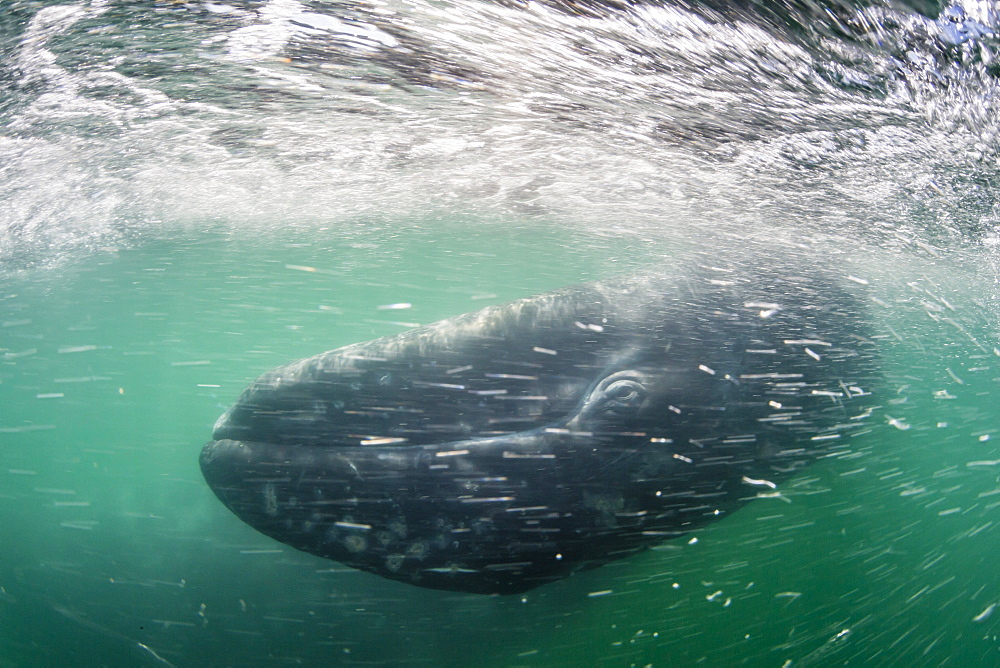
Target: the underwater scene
pixel 715 374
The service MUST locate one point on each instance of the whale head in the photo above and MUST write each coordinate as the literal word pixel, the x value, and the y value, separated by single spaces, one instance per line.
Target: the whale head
pixel 507 448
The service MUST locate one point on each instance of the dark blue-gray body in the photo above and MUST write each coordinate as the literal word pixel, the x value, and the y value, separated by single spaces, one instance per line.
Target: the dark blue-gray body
pixel 507 448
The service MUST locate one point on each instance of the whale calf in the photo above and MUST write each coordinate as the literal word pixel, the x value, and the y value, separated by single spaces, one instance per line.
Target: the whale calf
pixel 507 448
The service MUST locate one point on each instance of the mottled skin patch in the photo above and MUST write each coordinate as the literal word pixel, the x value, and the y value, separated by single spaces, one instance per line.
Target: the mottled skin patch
pixel 270 500
pixel 394 562
pixel 355 543
pixel 605 507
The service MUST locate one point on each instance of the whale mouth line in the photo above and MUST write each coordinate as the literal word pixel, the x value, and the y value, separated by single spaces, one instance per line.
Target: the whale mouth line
pixel 371 423
pixel 374 422
pixel 566 429
pixel 511 444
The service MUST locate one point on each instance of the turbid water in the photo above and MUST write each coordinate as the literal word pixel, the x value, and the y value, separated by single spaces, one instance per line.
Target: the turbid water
pixel 195 193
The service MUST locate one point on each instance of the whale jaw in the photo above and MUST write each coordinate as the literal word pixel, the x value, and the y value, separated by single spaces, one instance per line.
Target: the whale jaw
pixel 496 516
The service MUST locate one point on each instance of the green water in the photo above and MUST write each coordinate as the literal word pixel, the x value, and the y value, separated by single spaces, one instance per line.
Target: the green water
pixel 114 551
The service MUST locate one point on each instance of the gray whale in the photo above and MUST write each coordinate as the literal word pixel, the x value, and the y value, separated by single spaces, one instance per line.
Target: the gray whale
pixel 507 448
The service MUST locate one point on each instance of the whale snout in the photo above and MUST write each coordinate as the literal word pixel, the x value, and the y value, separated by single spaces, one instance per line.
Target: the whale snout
pixel 484 516
pixel 225 449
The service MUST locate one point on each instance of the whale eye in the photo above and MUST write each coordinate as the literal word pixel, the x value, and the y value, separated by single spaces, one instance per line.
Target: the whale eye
pixel 620 395
pixel 624 395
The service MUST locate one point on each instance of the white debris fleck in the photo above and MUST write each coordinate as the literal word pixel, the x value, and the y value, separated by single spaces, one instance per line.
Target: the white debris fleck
pixel 398 323
pixel 762 483
pixel 864 414
pixel 394 307
pixel 954 377
pixel 807 342
pixel 387 440
pixel 444 386
pixel 451 453
pixel 545 351
pixel 708 370
pixel 812 354
pixel 364 358
pixel 26 428
pixel 985 614
pixel 897 423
